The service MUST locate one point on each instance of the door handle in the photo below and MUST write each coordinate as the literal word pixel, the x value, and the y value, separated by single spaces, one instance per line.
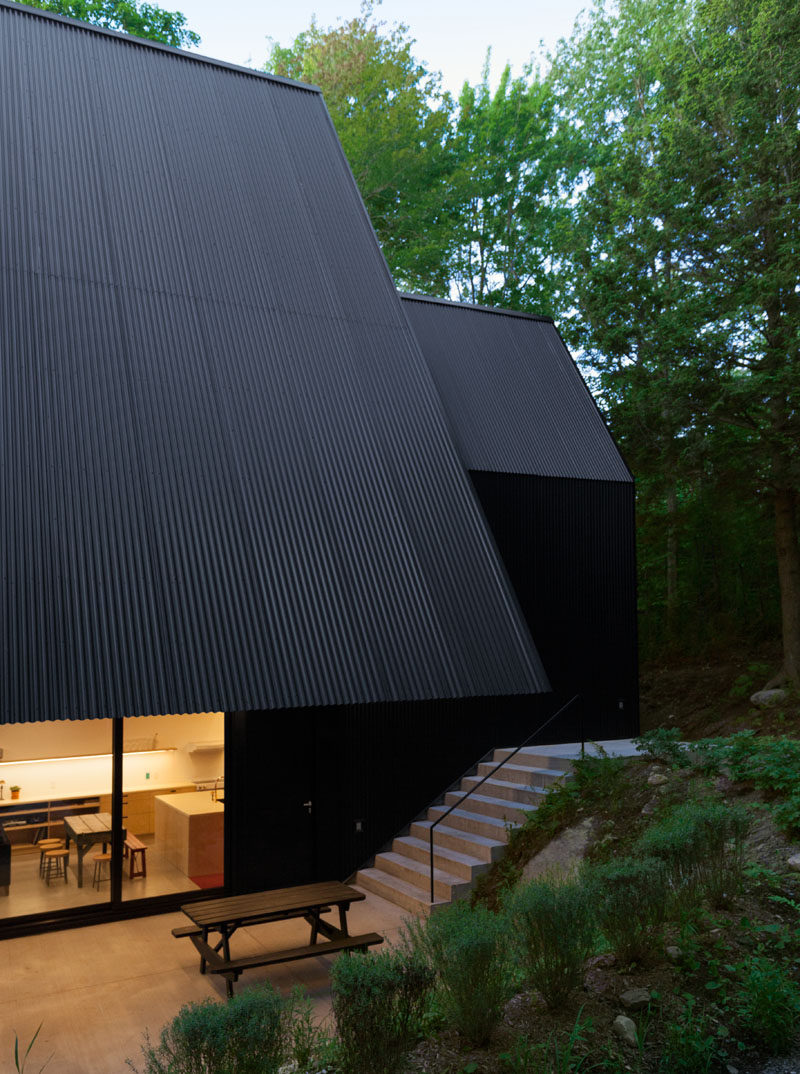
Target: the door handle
pixel 308 805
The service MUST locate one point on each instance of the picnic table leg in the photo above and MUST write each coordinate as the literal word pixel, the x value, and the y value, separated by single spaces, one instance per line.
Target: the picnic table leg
pixel 343 920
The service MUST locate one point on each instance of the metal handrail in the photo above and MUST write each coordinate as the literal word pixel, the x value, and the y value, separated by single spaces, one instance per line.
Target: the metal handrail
pixel 489 775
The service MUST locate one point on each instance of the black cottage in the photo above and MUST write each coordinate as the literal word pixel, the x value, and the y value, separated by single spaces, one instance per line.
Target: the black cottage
pixel 261 601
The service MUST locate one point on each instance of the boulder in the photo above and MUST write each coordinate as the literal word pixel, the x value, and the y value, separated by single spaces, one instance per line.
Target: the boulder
pixel 764 699
pixel 657 779
pixel 794 862
pixel 625 1028
pixel 635 999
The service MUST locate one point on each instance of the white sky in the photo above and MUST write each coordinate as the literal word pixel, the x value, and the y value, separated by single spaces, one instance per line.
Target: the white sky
pixel 451 35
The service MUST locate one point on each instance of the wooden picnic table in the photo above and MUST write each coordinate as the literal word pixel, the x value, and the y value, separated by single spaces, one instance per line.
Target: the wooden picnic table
pixel 86 829
pixel 309 901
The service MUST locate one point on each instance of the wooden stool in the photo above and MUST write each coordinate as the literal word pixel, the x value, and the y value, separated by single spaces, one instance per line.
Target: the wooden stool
pixel 47 844
pixel 55 865
pixel 133 848
pixel 99 861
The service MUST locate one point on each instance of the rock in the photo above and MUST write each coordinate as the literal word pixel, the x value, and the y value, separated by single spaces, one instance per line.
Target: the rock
pixel 657 779
pixel 649 807
pixel 625 1028
pixel 794 862
pixel 635 999
pixel 731 1069
pixel 764 699
pixel 564 854
pixel 674 954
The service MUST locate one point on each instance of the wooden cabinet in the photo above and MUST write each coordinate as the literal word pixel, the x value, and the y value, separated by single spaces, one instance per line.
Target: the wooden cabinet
pixel 138 810
pixel 25 824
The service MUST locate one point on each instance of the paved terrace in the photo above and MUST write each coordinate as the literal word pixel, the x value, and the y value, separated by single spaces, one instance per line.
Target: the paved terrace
pixel 95 990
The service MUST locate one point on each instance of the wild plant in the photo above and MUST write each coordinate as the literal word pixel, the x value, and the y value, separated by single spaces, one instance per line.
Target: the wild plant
pixel 378 1001
pixel 690 1046
pixel 663 744
pixel 556 1055
pixel 553 931
pixel 246 1035
pixel 769 1005
pixel 467 948
pixel 20 1064
pixel 702 847
pixel 630 898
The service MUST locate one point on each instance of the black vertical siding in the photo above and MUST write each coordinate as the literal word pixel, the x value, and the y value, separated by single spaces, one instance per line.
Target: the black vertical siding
pixel 227 481
pixel 569 547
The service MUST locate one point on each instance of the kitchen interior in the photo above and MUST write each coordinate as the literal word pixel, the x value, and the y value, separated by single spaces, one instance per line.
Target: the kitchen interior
pixel 55 806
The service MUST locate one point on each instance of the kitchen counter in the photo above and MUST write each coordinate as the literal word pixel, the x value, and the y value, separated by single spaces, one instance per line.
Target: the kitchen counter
pixel 189 832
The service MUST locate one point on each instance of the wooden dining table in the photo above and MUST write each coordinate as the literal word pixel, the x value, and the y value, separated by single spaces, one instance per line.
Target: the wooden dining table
pixel 86 829
pixel 309 901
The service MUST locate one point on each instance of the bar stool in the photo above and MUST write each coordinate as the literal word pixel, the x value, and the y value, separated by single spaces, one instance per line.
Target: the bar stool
pixel 100 861
pixel 55 865
pixel 47 844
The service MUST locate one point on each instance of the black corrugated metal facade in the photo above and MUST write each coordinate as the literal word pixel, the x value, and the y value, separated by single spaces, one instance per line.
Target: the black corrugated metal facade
pixel 227 481
pixel 555 490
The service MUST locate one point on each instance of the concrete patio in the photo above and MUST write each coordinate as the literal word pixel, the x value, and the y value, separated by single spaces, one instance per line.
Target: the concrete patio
pixel 96 990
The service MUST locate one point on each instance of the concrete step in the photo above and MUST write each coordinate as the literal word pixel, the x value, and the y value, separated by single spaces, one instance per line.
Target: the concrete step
pixel 514 773
pixel 500 788
pixel 476 823
pixel 486 849
pixel 445 885
pixel 397 891
pixel 529 758
pixel 500 809
pixel 467 866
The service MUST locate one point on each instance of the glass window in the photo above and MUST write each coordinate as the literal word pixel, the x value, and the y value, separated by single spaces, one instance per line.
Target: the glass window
pixel 55 816
pixel 173 804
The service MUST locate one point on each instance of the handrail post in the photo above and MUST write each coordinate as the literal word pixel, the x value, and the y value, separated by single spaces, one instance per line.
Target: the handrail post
pixel 489 775
pixel 431 838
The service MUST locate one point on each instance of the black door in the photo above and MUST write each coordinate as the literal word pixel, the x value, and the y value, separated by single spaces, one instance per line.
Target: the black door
pixel 270 799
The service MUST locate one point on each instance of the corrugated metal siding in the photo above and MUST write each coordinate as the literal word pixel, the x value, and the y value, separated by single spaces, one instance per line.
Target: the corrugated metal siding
pixel 514 396
pixel 227 481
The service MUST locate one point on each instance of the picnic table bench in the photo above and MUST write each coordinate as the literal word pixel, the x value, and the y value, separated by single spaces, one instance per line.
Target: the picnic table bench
pixel 309 901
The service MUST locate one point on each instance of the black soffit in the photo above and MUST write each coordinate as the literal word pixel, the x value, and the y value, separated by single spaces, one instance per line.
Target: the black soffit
pixel 227 481
pixel 512 392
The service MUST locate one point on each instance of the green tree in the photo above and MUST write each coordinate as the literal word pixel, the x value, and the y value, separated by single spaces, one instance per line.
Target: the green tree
pixel 683 251
pixel 506 203
pixel 127 16
pixel 393 121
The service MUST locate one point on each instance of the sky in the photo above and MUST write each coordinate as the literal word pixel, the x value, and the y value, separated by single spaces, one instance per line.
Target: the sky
pixel 451 35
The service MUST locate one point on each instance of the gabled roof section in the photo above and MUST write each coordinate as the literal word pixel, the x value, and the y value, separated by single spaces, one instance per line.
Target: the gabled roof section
pixel 515 399
pixel 227 481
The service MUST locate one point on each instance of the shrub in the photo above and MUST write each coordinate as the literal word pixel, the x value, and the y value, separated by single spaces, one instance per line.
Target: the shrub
pixel 701 844
pixel 663 744
pixel 630 901
pixel 553 929
pixel 689 1045
pixel 246 1035
pixel 378 1000
pixel 769 1005
pixel 467 949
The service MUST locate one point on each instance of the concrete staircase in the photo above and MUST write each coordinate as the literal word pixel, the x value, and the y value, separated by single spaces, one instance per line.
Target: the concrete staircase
pixel 470 839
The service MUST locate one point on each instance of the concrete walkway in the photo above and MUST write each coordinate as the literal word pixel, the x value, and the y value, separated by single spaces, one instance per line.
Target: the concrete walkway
pixel 96 990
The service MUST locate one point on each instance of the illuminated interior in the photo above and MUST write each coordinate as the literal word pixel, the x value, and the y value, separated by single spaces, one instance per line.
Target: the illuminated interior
pixel 172 811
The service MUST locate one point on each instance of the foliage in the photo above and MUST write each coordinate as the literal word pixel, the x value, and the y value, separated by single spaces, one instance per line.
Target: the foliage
pixel 553 930
pixel 769 1005
pixel 630 898
pixel 467 950
pixel 701 844
pixel 689 1046
pixel 246 1035
pixel 20 1064
pixel 378 1000
pixel 393 121
pixel 139 19
pixel 663 744
pixel 551 1056
pixel 598 779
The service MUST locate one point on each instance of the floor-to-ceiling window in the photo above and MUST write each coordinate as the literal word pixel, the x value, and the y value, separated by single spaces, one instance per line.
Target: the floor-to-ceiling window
pixel 57 811
pixel 173 804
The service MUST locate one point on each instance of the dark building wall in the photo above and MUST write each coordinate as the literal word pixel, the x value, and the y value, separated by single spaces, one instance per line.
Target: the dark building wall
pixel 377 764
pixel 569 548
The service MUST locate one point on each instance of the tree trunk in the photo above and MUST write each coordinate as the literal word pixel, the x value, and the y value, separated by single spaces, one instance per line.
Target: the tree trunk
pixel 672 562
pixel 788 552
